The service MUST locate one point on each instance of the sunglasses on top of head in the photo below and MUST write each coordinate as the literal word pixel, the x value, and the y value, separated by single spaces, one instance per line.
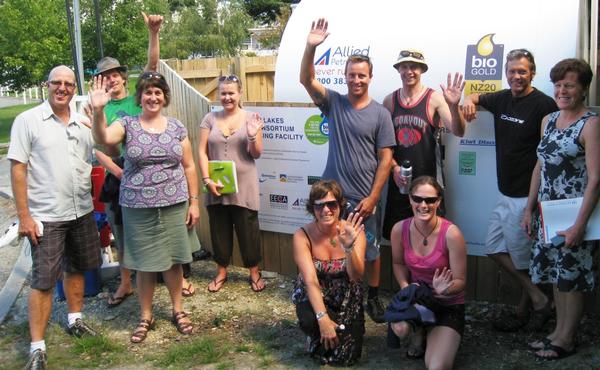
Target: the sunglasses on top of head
pixel 233 78
pixel 151 75
pixel 428 200
pixel 414 54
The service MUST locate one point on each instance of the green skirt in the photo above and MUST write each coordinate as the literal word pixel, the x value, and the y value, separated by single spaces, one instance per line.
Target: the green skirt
pixel 157 238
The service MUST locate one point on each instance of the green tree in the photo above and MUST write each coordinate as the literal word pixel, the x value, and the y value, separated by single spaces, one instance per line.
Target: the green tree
pixel 265 11
pixel 271 38
pixel 181 34
pixel 124 33
pixel 178 5
pixel 33 39
pixel 208 30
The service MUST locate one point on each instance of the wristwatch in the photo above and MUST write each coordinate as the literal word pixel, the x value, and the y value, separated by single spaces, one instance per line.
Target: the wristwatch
pixel 319 315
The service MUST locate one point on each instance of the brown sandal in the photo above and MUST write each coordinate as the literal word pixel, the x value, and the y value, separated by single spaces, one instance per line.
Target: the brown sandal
pixel 141 332
pixel 182 326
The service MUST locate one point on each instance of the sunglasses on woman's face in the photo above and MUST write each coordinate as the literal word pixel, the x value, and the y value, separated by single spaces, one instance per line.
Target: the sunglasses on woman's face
pixel 331 204
pixel 428 200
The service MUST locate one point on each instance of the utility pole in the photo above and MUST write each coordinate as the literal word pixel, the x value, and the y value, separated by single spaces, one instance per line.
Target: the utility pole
pixel 98 29
pixel 75 37
pixel 78 48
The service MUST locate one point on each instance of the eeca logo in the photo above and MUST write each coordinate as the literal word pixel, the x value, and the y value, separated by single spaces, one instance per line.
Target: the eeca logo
pixel 278 201
pixel 483 66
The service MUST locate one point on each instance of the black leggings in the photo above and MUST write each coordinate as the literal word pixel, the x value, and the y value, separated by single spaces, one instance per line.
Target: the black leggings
pixel 223 219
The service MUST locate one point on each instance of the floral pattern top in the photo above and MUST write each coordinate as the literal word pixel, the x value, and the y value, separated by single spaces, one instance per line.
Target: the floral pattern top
pixel 153 175
pixel 335 284
pixel 562 160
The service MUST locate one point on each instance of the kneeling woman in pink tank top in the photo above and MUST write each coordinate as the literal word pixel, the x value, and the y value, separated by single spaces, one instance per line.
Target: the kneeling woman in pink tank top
pixel 427 248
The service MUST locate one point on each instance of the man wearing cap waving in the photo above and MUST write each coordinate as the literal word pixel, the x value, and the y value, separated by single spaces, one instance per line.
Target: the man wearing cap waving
pixel 419 114
pixel 360 147
pixel 120 105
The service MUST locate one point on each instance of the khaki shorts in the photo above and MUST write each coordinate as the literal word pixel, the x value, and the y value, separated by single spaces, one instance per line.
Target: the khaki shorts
pixel 505 234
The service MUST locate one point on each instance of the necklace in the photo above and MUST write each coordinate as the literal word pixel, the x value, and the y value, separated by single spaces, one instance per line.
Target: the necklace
pixel 425 242
pixel 409 99
pixel 332 240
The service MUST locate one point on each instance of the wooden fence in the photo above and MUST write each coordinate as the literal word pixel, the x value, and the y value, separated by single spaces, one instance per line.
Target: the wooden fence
pixel 256 73
pixel 189 106
pixel 485 280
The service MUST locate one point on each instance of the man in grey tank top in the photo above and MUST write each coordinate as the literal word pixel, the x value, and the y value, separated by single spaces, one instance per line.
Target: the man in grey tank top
pixel 361 138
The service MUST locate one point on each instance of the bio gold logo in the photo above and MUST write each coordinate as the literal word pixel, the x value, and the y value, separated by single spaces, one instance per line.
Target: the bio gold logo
pixel 483 67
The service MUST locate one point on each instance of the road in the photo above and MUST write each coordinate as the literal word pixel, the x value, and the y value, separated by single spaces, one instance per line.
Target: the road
pixel 9 101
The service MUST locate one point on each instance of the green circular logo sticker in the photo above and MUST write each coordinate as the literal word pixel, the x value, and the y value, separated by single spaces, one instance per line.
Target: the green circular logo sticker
pixel 316 129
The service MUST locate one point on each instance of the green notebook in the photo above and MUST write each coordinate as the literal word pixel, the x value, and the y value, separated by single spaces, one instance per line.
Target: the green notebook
pixel 223 173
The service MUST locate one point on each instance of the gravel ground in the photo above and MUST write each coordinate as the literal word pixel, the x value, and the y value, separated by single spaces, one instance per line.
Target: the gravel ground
pixel 8 254
pixel 237 328
pixel 259 330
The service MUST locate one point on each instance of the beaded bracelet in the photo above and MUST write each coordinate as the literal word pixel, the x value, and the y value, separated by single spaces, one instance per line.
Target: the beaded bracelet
pixel 350 248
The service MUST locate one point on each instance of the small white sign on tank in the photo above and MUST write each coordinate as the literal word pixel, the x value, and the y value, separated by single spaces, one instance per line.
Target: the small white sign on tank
pixel 466 36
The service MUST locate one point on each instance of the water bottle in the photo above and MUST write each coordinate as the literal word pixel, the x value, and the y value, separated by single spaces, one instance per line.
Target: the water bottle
pixel 406 174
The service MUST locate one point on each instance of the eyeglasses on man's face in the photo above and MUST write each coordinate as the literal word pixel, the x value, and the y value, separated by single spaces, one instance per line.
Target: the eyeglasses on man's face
pixel 57 83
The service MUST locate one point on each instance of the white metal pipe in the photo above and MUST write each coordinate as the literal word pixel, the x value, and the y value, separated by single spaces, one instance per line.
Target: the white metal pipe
pixel 78 48
pixel 593 98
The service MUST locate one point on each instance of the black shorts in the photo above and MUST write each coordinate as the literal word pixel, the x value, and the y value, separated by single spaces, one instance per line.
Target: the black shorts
pixel 453 317
pixel 71 246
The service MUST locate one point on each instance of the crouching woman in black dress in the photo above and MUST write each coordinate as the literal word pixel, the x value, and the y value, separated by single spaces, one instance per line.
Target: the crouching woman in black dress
pixel 329 253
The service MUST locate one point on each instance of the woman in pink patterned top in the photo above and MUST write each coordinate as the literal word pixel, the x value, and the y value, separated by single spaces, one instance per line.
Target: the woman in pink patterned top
pixel 428 249
pixel 159 194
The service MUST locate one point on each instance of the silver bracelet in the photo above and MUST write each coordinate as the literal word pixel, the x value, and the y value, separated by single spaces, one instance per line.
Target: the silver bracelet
pixel 350 248
pixel 319 315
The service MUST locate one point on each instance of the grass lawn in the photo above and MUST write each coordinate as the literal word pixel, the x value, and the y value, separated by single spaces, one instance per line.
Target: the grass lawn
pixel 131 84
pixel 7 116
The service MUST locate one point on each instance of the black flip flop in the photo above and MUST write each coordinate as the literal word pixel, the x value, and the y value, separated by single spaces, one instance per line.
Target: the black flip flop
pixel 117 300
pixel 545 341
pixel 254 283
pixel 560 353
pixel 187 292
pixel 216 282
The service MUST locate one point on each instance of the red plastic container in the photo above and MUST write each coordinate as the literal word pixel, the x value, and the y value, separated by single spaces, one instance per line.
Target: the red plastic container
pixel 97 182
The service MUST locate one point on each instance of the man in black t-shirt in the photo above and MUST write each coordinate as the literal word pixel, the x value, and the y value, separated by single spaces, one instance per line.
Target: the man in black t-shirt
pixel 518 113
